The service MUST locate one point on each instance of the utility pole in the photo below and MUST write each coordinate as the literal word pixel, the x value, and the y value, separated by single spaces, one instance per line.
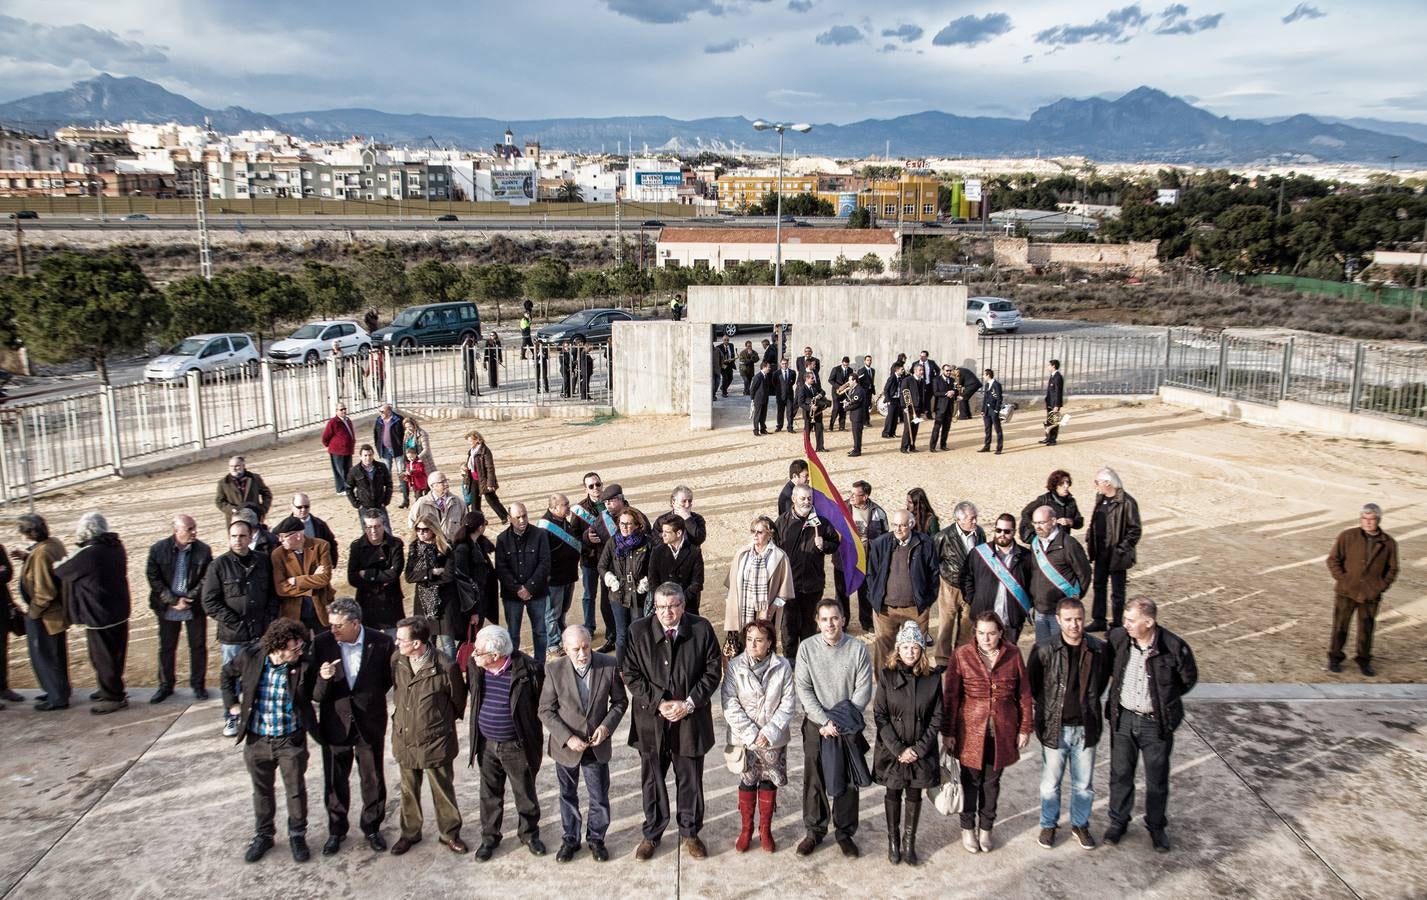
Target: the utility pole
pixel 205 254
pixel 99 188
pixel 618 230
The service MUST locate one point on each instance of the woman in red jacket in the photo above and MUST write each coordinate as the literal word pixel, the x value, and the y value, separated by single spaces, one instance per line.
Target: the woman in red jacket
pixel 986 723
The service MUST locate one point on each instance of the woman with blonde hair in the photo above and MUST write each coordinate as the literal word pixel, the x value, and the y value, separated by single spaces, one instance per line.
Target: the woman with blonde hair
pixel 760 584
pixel 431 568
pixel 907 710
pixel 478 476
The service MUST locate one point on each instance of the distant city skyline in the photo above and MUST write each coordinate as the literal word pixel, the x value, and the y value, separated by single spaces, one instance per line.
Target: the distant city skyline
pixel 813 60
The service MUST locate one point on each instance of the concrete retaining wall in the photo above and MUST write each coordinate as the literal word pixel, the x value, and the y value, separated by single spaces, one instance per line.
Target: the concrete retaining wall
pixel 1137 256
pixel 1302 417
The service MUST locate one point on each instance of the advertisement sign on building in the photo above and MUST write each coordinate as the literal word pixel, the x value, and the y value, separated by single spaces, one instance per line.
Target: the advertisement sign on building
pixel 512 186
pixel 658 179
pixel 846 203
pixel 973 192
pixel 1166 197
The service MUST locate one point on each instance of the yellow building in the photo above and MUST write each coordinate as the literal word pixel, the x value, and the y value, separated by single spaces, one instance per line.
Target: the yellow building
pixel 911 198
pixel 740 191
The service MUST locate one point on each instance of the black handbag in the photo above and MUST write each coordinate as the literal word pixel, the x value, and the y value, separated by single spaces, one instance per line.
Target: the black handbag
pixel 467 592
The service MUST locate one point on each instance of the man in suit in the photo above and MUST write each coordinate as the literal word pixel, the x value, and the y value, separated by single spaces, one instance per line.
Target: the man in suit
pixel 770 353
pixel 727 359
pixel 580 705
pixel 447 507
pixel 787 384
pixel 810 393
pixel 984 573
pixel 312 526
pixel 353 675
pixel 760 390
pixel 274 717
pixel 892 393
pixel 929 370
pixel 970 384
pixel 302 575
pixel 677 559
pixel 797 476
pixel 991 412
pixel 175 570
pixel 807 362
pixel 954 544
pixel 1054 400
pixel 505 736
pixel 840 375
pixel 858 405
pixel 672 667
pixel 944 395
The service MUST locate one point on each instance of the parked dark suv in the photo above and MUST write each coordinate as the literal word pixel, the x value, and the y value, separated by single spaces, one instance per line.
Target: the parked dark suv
pixel 432 325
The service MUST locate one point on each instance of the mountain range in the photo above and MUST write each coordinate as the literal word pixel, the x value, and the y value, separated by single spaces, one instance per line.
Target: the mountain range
pixel 1143 125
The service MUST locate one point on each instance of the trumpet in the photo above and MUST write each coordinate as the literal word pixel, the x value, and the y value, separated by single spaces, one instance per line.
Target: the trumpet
pixel 843 389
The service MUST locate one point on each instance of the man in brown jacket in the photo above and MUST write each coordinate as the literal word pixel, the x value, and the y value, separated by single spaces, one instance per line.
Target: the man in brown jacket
pixel 240 488
pixel 1364 565
pixel 428 696
pixel 302 574
pixel 47 621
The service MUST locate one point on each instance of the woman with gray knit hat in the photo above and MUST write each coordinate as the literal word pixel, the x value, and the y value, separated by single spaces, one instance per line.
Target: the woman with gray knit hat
pixel 907 711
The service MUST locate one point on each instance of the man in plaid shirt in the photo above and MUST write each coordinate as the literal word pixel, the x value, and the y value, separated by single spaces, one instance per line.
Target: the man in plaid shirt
pixel 274 716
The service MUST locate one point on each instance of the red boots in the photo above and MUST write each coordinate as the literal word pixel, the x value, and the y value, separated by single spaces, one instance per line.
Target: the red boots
pixel 766 804
pixel 747 799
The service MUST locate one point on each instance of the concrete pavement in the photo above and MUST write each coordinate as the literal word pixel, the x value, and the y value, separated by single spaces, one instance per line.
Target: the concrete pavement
pixel 1277 791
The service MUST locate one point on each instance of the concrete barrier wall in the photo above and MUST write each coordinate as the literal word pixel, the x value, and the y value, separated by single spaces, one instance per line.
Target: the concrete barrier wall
pixel 1138 256
pixel 1302 417
pixel 653 365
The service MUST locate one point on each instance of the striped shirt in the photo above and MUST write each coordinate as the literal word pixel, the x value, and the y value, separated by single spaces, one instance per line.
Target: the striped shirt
pixel 495 717
pixel 1135 688
pixel 273 701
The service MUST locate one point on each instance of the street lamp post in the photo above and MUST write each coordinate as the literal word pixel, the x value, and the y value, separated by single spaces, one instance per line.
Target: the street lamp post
pixel 780 127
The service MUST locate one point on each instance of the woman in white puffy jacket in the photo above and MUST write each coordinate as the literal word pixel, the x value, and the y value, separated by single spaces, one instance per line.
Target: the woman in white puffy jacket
pixel 759 703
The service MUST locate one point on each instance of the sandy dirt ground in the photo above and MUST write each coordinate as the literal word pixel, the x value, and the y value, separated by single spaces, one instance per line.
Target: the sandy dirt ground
pixel 1237 518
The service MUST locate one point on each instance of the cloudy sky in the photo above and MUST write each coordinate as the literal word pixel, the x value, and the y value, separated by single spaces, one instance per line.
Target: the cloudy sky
pixel 821 60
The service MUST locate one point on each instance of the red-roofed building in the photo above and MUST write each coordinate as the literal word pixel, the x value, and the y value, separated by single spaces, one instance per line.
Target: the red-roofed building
pixel 721 248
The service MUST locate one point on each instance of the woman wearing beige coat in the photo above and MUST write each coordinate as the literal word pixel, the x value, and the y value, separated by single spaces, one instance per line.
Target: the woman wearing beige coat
pixel 760 583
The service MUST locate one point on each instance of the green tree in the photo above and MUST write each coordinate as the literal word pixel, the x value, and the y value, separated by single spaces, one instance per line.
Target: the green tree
pixel 496 282
pixel 804 204
pixel 861 218
pixel 196 305
pixel 797 271
pixel 548 279
pixel 591 284
pixel 843 267
pixel 434 281
pixel 569 192
pixel 80 307
pixel 871 264
pixel 331 290
pixel 10 288
pixel 1073 236
pixel 381 277
pixel 630 281
pixel 269 298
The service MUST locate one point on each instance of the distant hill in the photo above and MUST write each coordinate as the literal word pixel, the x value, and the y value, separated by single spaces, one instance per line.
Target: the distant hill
pixel 1143 125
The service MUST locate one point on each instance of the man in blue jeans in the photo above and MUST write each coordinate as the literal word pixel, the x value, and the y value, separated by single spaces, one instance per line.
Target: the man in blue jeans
pixel 239 596
pixel 1068 673
pixel 563 531
pixel 522 564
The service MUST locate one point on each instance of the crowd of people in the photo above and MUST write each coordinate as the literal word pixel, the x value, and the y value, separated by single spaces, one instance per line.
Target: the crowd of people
pixel 952 707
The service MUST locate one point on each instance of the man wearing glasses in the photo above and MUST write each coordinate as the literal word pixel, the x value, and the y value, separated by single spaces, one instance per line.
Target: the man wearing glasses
pixel 995 576
pixel 589 511
pixel 428 696
pixel 274 716
pixel 672 668
pixel 340 439
pixel 312 526
pixel 440 504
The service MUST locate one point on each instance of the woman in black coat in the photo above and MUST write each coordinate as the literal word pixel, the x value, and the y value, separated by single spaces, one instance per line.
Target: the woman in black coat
pixel 1058 497
pixel 430 568
pixel 907 711
pixel 473 562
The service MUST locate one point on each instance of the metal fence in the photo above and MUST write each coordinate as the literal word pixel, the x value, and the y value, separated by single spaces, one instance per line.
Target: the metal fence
pixel 55 442
pixel 1092 365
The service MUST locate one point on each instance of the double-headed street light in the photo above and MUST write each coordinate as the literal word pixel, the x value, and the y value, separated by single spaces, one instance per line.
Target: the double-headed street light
pixel 780 127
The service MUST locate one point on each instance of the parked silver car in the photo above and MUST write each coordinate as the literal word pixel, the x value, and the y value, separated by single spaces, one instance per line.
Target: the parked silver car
pixel 203 353
pixel 990 314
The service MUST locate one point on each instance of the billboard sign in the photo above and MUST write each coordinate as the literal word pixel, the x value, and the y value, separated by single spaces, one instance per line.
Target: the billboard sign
pixel 658 179
pixel 512 185
pixel 973 192
pixel 1166 197
pixel 846 203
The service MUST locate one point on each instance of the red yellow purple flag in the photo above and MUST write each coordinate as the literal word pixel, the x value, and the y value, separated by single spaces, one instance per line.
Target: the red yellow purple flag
pixel 828 504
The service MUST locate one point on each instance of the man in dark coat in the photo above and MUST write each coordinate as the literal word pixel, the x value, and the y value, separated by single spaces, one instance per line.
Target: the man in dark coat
pixel 238 595
pixel 1059 569
pixel 770 353
pixel 1153 668
pixel 1054 400
pixel 1111 542
pixel 1067 677
pixel 240 488
pixel 761 388
pixel 892 394
pixel 353 667
pixel 902 581
pixel 945 391
pixel 175 571
pixel 786 381
pixel 677 559
pixel 970 384
pixel 96 592
pixel 369 484
pixel 997 578
pixel 810 399
pixel 727 358
pixel 522 563
pixel 858 404
pixel 672 667
pixel 374 566
pixel 506 736
pixel 807 540
pixel 1363 563
pixel 274 718
pixel 841 374
pixel 991 399
pixel 563 530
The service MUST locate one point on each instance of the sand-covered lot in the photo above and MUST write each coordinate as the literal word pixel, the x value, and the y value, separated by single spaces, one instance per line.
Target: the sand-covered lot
pixel 1237 518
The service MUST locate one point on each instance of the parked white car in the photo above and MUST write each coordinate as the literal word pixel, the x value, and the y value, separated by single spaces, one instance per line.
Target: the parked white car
pixel 204 353
pixel 313 341
pixel 990 314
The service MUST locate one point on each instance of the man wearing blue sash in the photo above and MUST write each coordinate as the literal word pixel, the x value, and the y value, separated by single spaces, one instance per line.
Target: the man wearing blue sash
pixel 563 529
pixel 588 515
pixel 1059 570
pixel 995 575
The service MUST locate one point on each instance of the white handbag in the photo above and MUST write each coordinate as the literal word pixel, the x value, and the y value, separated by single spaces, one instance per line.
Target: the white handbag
pixel 948 799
